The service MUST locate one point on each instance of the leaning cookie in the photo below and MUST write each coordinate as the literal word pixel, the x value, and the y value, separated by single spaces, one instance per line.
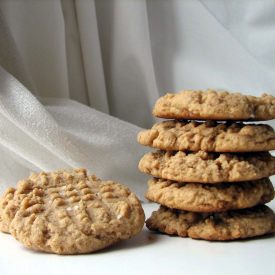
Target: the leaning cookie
pixel 197 197
pixel 210 136
pixel 214 105
pixel 207 167
pixel 69 212
pixel 230 225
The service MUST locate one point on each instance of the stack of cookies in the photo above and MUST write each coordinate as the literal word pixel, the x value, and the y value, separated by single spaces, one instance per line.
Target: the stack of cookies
pixel 211 177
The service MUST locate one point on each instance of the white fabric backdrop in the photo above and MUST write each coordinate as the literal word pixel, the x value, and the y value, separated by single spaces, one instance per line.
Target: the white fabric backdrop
pixel 117 57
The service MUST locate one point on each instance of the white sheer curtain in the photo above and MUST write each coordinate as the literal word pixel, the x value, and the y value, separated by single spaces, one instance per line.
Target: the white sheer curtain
pixel 118 57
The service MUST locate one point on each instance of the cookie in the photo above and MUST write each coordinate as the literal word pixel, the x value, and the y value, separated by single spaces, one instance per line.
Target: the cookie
pixel 8 208
pixel 209 136
pixel 69 212
pixel 213 105
pixel 235 224
pixel 198 197
pixel 207 167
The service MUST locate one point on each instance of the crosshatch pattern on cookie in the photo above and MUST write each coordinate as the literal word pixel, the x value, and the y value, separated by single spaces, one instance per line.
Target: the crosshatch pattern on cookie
pixel 70 212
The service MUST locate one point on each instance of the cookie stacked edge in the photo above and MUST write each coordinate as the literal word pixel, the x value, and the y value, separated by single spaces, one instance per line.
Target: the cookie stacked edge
pixel 210 176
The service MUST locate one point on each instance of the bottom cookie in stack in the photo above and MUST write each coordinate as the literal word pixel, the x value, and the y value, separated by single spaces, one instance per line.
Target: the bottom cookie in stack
pixel 212 212
pixel 223 226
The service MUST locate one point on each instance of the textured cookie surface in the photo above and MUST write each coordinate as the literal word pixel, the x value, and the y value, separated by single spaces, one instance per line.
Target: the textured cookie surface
pixel 8 208
pixel 207 167
pixel 209 136
pixel 69 212
pixel 198 197
pixel 215 105
pixel 230 225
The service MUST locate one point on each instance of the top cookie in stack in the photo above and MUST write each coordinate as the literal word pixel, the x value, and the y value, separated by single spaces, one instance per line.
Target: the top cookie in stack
pixel 213 105
pixel 211 166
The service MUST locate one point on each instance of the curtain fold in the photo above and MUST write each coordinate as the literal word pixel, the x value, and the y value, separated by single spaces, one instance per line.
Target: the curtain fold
pixel 77 83
pixel 92 55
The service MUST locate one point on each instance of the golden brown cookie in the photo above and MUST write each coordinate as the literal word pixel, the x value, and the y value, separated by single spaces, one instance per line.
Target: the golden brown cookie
pixel 214 105
pixel 207 167
pixel 230 225
pixel 69 212
pixel 8 208
pixel 197 197
pixel 209 136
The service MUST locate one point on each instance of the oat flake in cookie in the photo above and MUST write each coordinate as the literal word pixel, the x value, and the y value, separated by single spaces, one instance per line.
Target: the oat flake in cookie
pixel 214 105
pixel 69 212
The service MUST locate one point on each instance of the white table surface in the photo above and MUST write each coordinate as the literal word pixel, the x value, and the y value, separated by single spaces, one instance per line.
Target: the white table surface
pixel 147 253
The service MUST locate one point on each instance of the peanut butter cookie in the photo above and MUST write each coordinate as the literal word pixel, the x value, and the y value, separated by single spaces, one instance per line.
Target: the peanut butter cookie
pixel 230 225
pixel 207 167
pixel 69 212
pixel 197 197
pixel 209 136
pixel 8 208
pixel 214 105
